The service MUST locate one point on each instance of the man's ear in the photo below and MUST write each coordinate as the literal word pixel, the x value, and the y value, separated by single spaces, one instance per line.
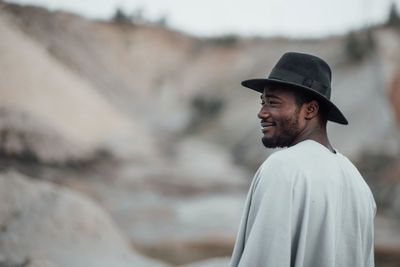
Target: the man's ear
pixel 311 110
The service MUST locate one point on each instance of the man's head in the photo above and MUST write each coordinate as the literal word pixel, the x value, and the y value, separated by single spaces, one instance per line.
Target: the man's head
pixel 296 100
pixel 288 115
pixel 307 75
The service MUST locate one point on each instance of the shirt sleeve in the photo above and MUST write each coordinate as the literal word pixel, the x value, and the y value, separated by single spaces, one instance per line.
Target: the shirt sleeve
pixel 268 229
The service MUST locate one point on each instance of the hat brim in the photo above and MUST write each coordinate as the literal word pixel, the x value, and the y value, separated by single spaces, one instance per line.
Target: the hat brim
pixel 334 114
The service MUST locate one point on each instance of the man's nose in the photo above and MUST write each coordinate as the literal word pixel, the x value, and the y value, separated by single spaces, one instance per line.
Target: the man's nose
pixel 263 113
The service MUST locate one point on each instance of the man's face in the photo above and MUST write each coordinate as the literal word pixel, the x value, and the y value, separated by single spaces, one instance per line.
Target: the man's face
pixel 280 117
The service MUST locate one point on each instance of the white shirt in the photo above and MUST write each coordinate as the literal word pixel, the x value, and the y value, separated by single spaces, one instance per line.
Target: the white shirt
pixel 306 207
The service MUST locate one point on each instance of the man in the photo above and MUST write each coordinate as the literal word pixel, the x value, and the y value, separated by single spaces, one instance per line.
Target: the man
pixel 307 206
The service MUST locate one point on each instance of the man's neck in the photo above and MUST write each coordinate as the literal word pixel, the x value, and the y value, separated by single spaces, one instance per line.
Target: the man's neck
pixel 317 134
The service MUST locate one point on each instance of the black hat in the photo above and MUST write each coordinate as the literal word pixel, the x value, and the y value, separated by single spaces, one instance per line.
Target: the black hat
pixel 302 72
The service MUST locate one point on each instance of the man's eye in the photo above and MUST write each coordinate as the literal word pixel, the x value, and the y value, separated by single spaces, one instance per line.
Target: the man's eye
pixel 269 102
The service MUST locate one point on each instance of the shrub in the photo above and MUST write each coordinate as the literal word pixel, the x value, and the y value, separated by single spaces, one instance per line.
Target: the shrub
pixel 206 107
pixel 225 40
pixel 359 45
pixel 121 17
pixel 394 17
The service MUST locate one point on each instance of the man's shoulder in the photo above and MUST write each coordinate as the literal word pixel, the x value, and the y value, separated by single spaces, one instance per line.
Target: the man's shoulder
pixel 281 167
pixel 282 161
pixel 300 157
pixel 289 156
pixel 290 152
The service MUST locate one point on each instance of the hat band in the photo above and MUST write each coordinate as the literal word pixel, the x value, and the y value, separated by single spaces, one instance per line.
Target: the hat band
pixel 288 76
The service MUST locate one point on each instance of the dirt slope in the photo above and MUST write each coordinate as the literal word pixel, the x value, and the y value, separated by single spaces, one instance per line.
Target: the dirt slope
pixel 53 101
pixel 155 74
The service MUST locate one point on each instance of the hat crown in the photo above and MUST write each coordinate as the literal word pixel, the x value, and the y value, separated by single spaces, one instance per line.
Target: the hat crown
pixel 305 70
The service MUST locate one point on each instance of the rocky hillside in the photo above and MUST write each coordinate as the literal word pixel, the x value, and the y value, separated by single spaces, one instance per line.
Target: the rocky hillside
pixel 153 126
pixel 145 71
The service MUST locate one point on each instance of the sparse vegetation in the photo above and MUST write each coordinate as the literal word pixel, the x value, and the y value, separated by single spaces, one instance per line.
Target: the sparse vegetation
pixel 204 110
pixel 206 107
pixel 394 17
pixel 121 17
pixel 137 17
pixel 359 45
pixel 225 40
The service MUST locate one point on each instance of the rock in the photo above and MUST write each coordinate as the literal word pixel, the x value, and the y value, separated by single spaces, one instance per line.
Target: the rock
pixel 196 228
pixel 161 223
pixel 394 94
pixel 214 262
pixel 174 212
pixel 28 137
pixel 39 220
pixel 211 162
pixel 49 106
pixel 33 261
pixel 387 241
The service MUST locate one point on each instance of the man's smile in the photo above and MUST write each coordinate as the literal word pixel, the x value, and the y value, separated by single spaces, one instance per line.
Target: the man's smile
pixel 267 125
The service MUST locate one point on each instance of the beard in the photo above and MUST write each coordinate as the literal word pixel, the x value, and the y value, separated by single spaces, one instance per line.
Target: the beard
pixel 288 130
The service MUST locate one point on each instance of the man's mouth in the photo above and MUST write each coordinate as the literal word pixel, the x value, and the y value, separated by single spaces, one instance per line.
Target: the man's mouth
pixel 267 125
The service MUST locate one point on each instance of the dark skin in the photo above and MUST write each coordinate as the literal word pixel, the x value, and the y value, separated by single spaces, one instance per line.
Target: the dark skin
pixel 285 123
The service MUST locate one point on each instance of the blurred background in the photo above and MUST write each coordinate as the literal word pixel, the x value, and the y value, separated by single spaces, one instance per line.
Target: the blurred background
pixel 127 140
